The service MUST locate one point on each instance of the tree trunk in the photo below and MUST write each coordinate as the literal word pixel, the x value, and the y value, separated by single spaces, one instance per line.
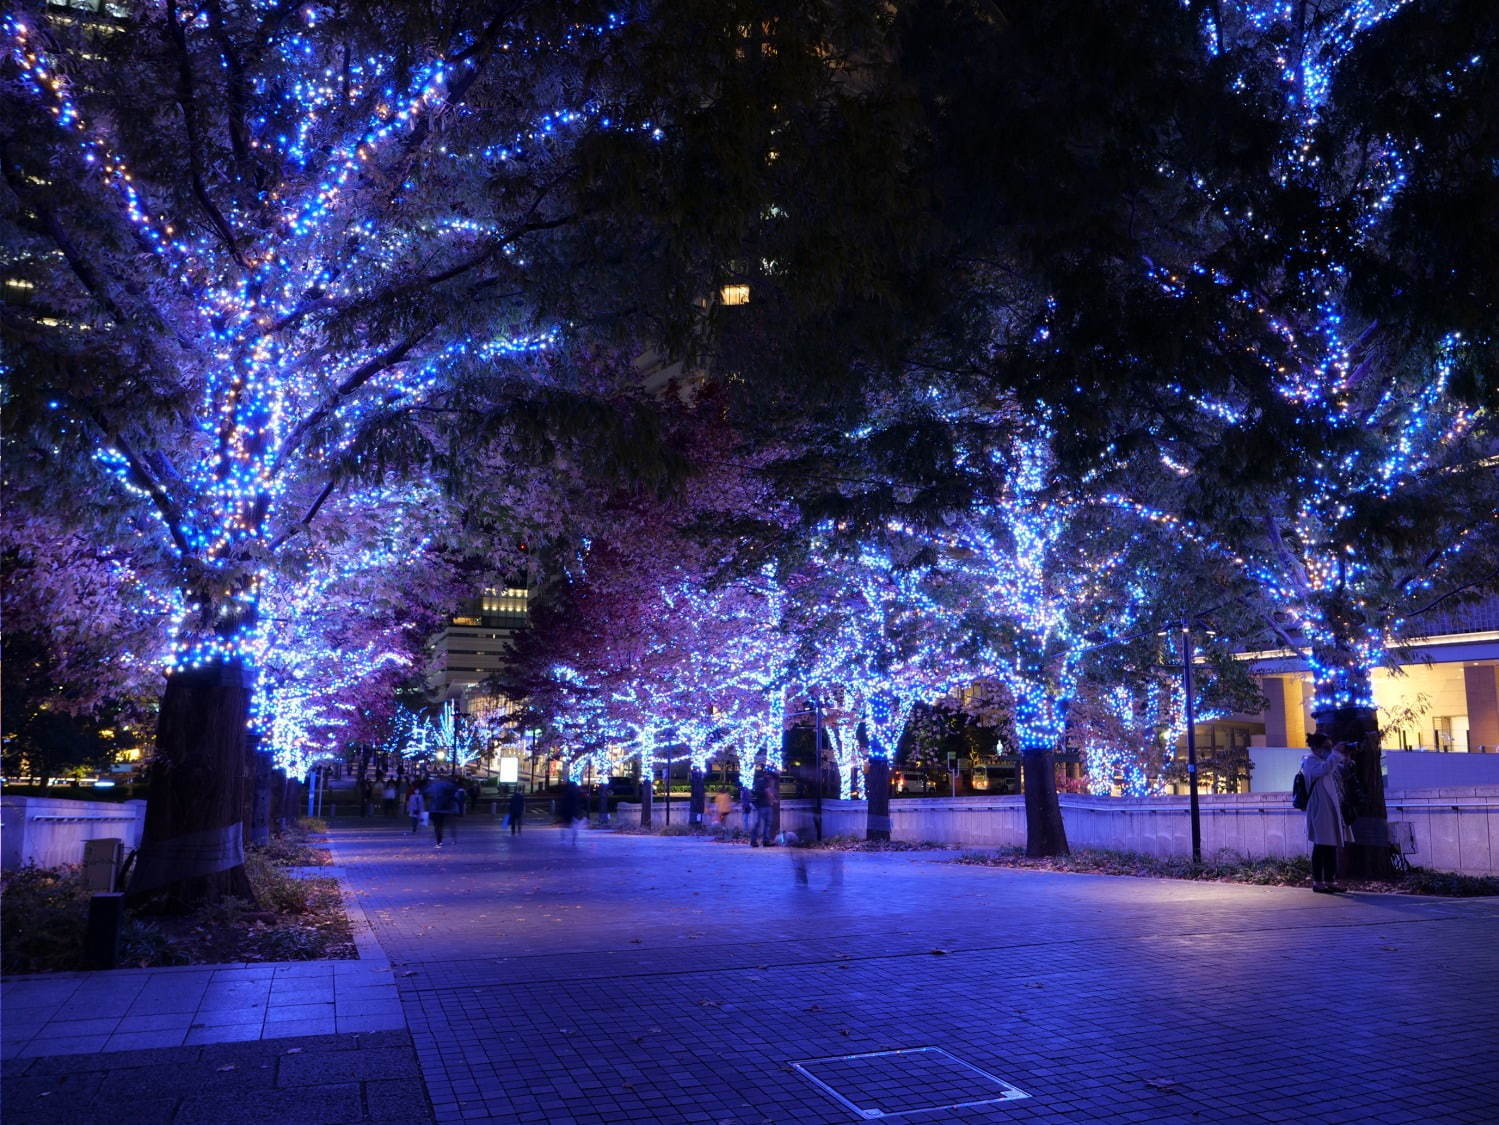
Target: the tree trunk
pixel 278 800
pixel 296 801
pixel 646 796
pixel 1369 856
pixel 260 799
pixel 192 848
pixel 699 797
pixel 1045 833
pixel 877 782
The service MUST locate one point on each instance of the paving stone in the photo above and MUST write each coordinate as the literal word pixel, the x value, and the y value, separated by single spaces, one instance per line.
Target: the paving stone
pixel 650 979
pixel 323 1067
pixel 306 1105
pixel 396 1099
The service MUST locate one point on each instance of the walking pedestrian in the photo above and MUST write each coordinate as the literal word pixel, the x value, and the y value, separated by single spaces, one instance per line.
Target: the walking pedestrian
pixel 442 802
pixel 415 806
pixel 773 793
pixel 388 798
pixel 763 810
pixel 1325 827
pixel 723 804
pixel 570 810
pixel 517 811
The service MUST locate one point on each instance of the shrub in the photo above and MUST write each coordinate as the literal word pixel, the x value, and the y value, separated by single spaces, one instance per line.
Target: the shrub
pixel 143 944
pixel 46 915
pixel 226 914
pixel 1423 882
pixel 290 943
pixel 275 890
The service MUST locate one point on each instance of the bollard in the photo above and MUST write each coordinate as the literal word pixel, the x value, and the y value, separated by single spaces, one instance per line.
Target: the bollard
pixel 101 942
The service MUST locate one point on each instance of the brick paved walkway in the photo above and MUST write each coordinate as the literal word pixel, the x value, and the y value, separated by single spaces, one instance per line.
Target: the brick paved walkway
pixel 633 979
pixel 369 1077
pixel 141 1009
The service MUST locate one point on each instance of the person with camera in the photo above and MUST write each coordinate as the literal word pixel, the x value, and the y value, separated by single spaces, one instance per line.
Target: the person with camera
pixel 1326 826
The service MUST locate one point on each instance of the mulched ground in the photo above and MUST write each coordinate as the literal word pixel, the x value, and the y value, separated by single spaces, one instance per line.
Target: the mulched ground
pixel 1229 869
pixel 298 917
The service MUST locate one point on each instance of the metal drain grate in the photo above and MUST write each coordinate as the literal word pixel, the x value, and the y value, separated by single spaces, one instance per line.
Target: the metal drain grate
pixel 913 1080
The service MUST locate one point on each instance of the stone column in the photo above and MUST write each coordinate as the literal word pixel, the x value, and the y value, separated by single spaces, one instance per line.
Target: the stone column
pixel 1285 713
pixel 1481 686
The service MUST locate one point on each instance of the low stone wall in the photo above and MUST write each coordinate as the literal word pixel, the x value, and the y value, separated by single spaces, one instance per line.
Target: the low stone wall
pixel 1454 829
pixel 49 831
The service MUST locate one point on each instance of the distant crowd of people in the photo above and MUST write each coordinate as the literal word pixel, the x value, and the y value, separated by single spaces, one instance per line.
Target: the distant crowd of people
pixel 437 801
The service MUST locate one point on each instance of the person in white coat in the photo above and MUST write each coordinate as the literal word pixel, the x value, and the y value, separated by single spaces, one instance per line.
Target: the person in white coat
pixel 1323 769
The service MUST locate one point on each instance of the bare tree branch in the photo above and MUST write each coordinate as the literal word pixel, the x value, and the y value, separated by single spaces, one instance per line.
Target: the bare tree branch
pixel 186 98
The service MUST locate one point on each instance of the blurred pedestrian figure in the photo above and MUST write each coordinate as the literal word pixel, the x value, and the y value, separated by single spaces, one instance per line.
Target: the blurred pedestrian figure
pixel 415 806
pixel 1325 826
pixel 442 803
pixel 388 798
pixel 763 812
pixel 723 804
pixel 570 812
pixel 809 860
pixel 517 811
pixel 366 797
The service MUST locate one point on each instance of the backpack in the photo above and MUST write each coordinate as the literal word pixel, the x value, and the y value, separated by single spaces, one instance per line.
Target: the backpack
pixel 1301 792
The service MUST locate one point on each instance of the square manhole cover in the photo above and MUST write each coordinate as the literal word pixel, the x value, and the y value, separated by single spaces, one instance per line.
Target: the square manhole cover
pixel 913 1080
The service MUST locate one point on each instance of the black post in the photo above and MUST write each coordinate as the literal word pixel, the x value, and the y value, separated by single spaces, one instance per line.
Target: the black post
pixel 1191 743
pixel 666 780
pixel 106 914
pixel 817 756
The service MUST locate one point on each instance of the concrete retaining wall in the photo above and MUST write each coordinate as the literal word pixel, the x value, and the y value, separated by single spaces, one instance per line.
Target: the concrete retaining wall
pixel 1276 766
pixel 1454 829
pixel 49 831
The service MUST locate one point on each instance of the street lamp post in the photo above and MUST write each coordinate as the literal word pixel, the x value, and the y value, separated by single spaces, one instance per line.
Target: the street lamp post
pixel 1191 718
pixel 666 782
pixel 817 757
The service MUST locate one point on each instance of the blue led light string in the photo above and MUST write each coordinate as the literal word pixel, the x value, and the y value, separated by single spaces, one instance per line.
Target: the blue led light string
pixel 1383 430
pixel 265 374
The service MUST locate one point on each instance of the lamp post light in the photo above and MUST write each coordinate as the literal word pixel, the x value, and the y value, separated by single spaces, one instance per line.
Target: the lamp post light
pixel 666 783
pixel 816 713
pixel 1191 718
pixel 817 756
pixel 1189 706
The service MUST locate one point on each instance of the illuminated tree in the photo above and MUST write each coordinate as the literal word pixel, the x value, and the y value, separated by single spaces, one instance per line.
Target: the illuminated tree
pixel 1337 448
pixel 253 311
